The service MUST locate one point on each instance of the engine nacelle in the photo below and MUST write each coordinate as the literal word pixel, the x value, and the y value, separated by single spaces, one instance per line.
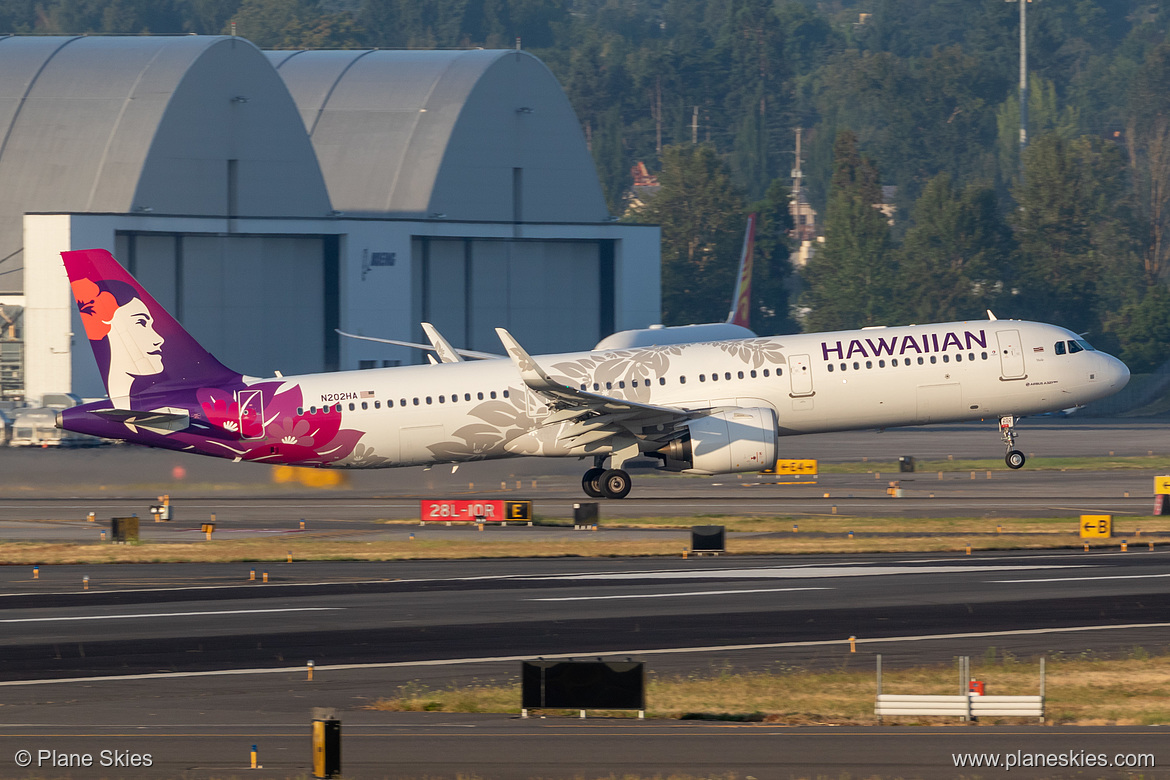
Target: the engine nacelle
pixel 724 443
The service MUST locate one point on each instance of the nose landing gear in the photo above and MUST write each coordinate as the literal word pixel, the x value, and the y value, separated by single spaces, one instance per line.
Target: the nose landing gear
pixel 1007 431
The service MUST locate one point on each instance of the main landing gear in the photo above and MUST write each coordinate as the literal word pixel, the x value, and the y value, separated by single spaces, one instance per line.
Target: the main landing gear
pixel 601 482
pixel 1007 431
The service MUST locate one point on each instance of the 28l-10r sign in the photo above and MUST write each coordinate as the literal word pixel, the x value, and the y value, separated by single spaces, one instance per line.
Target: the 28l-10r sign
pixel 450 510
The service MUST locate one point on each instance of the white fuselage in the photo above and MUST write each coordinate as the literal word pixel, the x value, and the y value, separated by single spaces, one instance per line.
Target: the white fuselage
pixel 871 378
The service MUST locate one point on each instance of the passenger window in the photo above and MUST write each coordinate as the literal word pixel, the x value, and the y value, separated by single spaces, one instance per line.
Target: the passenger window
pixel 365 405
pixel 378 404
pixel 753 374
pixel 622 385
pixel 741 375
pixel 442 399
pixel 971 356
pixel 727 375
pixel 844 366
pixel 609 385
pixel 894 362
pixel 714 377
pixel 920 361
pixel 467 396
pixel 596 386
pixel 1074 347
pixel 881 364
pixel 505 394
pixel 492 395
pixel 634 383
pixel 479 396
pixel 779 372
pixel 702 377
pixel 946 358
pixel 983 355
pixel 454 398
pixel 869 364
pixel 416 402
pixel 766 372
pixel 300 410
pixel 351 406
pixel 856 365
pixel 682 380
pixel 933 359
pixel 337 408
pixel 661 380
pixel 959 358
pixel 830 368
pixel 429 400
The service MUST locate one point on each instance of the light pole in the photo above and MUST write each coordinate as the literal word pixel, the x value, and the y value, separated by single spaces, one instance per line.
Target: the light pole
pixel 1023 79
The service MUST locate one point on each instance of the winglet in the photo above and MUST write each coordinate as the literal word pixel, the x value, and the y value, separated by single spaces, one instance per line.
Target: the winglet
pixel 991 316
pixel 741 306
pixel 532 374
pixel 443 348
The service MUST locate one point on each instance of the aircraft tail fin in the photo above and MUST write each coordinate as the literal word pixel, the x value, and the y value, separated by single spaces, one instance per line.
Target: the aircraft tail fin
pixel 741 306
pixel 137 343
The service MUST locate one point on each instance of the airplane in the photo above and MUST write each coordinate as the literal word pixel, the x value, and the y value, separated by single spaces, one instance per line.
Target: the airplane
pixel 700 408
pixel 736 326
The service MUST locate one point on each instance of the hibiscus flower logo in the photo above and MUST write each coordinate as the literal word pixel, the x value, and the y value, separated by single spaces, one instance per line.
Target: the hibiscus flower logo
pixel 291 430
pixel 97 308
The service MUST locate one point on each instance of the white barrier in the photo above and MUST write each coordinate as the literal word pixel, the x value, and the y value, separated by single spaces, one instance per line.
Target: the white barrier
pixel 972 705
pixel 966 705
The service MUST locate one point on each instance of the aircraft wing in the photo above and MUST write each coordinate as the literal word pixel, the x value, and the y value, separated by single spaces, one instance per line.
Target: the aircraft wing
pixel 595 417
pixel 467 353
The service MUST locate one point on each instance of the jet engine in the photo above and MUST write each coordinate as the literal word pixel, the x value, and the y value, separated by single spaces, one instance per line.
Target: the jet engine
pixel 724 442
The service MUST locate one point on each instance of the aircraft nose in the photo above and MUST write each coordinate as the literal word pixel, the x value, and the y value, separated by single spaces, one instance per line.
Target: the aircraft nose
pixel 1117 372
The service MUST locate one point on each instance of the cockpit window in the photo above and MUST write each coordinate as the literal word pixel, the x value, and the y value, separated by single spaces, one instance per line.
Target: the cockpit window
pixel 1059 348
pixel 1074 347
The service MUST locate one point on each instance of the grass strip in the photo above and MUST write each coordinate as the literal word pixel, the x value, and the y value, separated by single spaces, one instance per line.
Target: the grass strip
pixel 1082 689
pixel 1110 463
pixel 591 546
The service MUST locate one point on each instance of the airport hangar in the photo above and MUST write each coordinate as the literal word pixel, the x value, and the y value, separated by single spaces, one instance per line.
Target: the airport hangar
pixel 268 198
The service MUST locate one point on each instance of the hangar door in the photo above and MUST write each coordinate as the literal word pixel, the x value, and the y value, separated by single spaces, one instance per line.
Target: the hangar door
pixel 554 296
pixel 259 303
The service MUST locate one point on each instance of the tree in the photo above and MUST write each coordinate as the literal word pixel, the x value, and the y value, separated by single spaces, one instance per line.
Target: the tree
pixel 850 280
pixel 701 214
pixel 1148 140
pixel 954 253
pixel 1074 226
pixel 772 280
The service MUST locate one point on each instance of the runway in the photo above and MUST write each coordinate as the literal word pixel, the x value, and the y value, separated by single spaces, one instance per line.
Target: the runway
pixel 169 668
pixel 194 663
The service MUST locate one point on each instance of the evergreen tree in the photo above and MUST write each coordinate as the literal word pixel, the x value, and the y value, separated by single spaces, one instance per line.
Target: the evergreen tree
pixel 702 216
pixel 953 255
pixel 772 280
pixel 850 280
pixel 1074 229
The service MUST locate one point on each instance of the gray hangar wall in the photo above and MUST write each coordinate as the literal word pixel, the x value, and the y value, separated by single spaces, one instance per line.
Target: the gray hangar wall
pixel 269 198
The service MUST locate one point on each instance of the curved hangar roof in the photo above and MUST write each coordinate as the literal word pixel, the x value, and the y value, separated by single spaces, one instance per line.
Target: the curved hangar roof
pixel 119 124
pixel 426 133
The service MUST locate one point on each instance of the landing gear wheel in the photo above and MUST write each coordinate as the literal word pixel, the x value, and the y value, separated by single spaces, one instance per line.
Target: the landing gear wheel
pixel 1014 459
pixel 591 483
pixel 615 483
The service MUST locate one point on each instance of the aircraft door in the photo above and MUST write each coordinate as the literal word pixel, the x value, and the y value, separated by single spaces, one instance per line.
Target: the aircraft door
pixel 800 373
pixel 251 403
pixel 1011 354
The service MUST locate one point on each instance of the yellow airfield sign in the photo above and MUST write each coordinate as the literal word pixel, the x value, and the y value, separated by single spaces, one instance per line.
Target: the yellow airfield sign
pixel 803 468
pixel 1096 526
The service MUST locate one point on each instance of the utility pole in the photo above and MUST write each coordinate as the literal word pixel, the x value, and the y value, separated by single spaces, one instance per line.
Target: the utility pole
pixel 695 127
pixel 1023 80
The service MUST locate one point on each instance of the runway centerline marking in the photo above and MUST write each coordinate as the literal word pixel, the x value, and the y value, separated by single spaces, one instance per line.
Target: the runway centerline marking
pixel 673 595
pixel 169 614
pixel 800 572
pixel 1088 579
pixel 579 654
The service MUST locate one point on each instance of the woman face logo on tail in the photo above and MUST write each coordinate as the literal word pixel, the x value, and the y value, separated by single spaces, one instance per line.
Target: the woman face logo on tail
pixel 121 328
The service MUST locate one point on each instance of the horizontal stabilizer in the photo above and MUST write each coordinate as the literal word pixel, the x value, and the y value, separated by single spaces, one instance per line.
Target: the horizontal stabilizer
pixel 467 353
pixel 156 420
